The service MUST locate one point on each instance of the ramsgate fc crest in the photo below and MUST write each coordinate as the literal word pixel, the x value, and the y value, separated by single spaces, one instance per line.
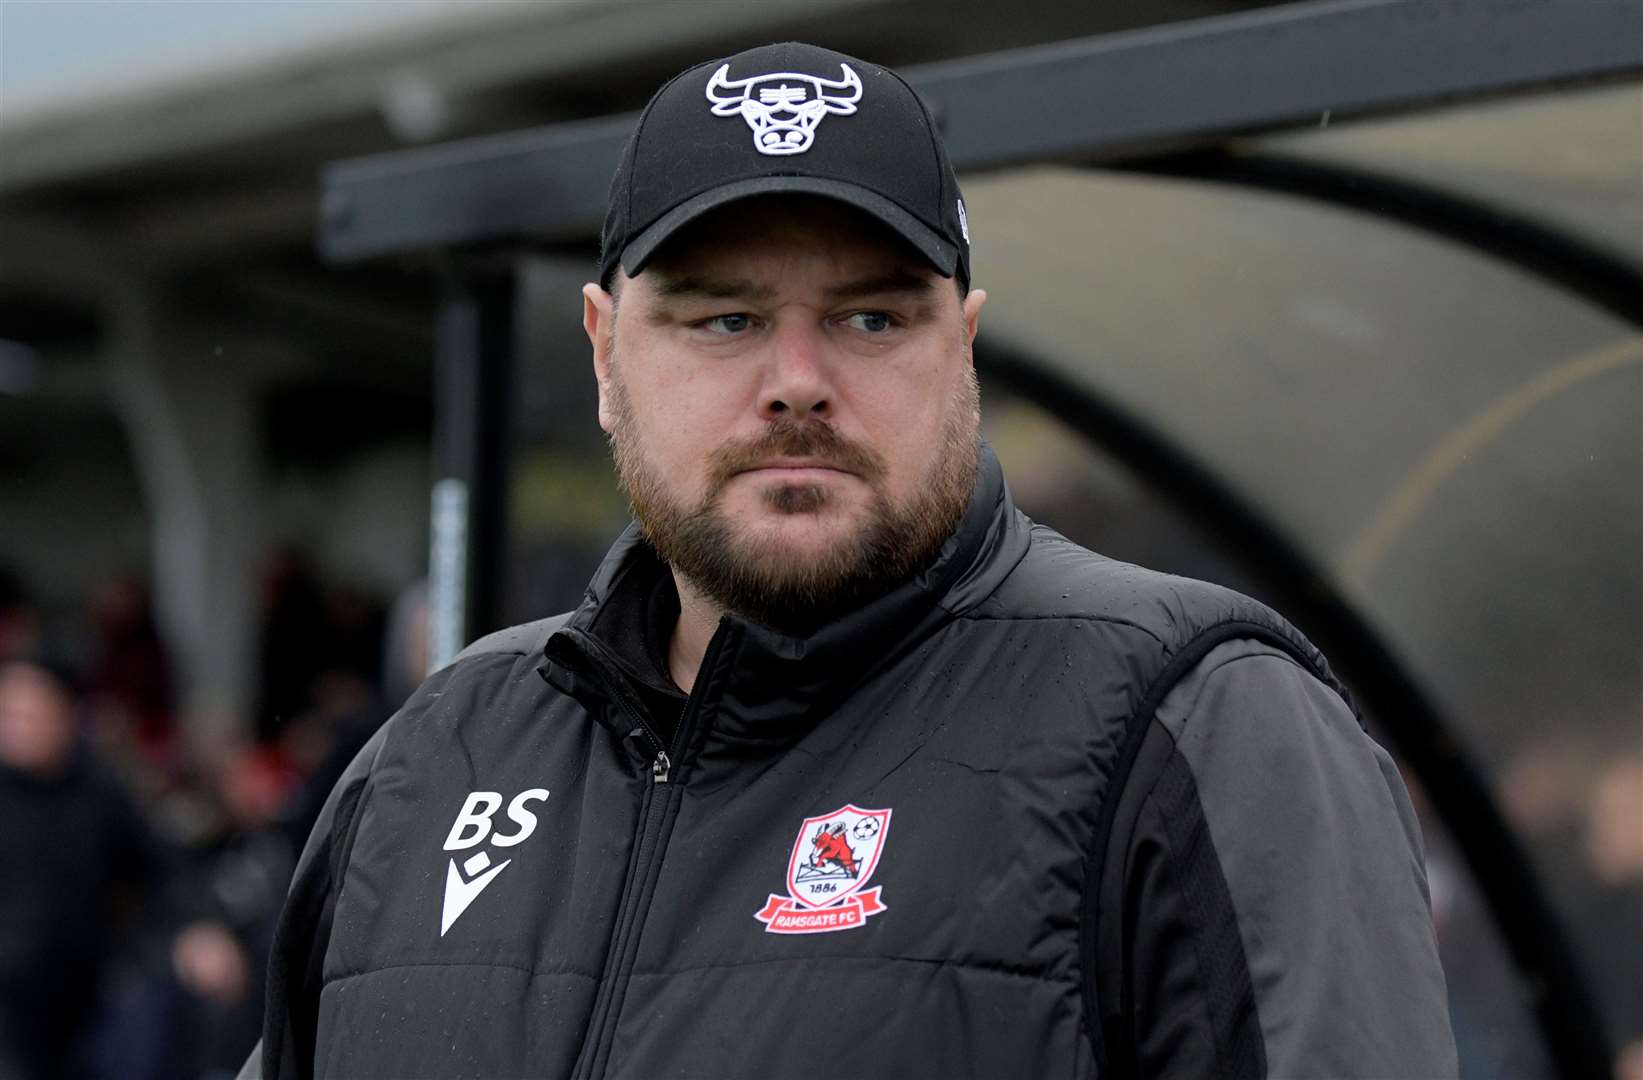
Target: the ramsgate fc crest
pixel 833 858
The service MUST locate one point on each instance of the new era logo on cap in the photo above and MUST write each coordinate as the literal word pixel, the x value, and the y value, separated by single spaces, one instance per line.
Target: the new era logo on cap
pixel 814 122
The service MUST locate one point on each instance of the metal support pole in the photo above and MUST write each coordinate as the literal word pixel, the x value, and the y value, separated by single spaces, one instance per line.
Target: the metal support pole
pixel 467 524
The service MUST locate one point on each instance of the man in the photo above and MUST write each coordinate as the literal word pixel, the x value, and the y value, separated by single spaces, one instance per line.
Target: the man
pixel 71 841
pixel 75 855
pixel 843 767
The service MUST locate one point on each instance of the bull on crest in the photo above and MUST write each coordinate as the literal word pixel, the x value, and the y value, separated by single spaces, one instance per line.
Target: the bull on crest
pixel 783 108
pixel 830 846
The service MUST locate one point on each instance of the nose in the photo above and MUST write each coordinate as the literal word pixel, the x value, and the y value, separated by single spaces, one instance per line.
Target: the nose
pixel 795 379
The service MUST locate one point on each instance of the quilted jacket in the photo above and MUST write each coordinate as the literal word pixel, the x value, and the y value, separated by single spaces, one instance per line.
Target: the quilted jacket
pixel 1035 813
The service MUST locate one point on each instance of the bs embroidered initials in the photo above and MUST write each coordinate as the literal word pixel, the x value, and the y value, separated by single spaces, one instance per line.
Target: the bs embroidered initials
pixel 473 824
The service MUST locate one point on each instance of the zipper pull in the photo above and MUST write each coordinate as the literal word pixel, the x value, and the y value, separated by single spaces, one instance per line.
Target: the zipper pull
pixel 661 767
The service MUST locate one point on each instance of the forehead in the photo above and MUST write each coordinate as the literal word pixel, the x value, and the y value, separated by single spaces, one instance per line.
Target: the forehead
pixel 30 683
pixel 776 232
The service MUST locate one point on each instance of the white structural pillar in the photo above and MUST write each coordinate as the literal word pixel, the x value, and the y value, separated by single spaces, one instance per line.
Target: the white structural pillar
pixel 193 425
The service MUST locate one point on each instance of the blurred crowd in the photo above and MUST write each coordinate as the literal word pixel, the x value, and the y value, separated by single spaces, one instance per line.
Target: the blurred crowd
pixel 1578 809
pixel 145 867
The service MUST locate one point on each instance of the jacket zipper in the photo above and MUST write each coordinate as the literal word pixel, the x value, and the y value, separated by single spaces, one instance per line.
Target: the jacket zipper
pixel 661 765
pixel 639 886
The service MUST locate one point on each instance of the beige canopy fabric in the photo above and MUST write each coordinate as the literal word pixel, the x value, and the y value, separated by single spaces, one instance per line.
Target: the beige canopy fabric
pixel 1572 159
pixel 1454 439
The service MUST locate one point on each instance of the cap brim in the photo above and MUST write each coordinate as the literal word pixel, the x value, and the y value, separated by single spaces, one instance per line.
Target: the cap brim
pixel 938 252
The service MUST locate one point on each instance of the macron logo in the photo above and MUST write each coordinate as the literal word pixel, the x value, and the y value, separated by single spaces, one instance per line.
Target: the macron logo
pixel 459 893
pixel 472 826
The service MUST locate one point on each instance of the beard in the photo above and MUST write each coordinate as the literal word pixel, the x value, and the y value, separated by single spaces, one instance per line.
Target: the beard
pixel 780 587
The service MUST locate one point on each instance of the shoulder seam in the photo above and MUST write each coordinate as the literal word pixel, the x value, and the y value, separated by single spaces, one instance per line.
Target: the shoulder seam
pixel 1272 653
pixel 519 639
pixel 464 656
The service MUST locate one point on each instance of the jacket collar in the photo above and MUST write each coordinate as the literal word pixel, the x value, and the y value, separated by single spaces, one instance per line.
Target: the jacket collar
pixel 760 672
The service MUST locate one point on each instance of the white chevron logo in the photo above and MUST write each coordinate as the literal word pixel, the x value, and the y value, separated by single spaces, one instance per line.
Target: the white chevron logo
pixel 459 893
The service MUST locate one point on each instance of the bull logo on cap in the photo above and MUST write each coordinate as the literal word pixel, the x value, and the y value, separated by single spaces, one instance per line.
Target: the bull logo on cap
pixel 783 108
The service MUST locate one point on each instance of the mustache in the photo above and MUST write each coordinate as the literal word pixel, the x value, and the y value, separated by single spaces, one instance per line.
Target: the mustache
pixel 786 437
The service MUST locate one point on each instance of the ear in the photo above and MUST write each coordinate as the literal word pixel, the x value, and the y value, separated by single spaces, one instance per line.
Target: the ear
pixel 599 321
pixel 972 315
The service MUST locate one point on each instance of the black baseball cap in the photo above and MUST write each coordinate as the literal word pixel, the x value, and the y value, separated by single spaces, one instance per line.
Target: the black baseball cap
pixel 785 119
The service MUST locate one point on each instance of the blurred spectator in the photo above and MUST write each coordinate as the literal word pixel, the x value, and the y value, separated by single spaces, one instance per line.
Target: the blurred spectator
pixel 134 934
pixel 405 644
pixel 1491 1004
pixel 1612 922
pixel 1581 808
pixel 350 711
pixel 1614 825
pixel 71 842
pixel 323 741
pixel 19 621
pixel 295 640
pixel 354 624
pixel 79 866
pixel 239 875
pixel 131 681
pixel 314 635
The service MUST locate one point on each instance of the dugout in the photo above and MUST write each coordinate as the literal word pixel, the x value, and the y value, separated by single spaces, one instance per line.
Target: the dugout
pixel 1337 303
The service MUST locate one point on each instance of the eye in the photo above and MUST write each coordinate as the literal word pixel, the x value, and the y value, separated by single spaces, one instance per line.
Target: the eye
pixel 734 323
pixel 870 322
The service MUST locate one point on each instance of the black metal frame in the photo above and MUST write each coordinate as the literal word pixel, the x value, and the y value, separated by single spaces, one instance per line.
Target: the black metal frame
pixel 1557 257
pixel 1115 97
pixel 1169 99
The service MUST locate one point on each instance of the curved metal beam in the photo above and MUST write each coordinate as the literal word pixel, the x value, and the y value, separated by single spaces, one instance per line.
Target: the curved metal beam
pixel 1546 251
pixel 1402 707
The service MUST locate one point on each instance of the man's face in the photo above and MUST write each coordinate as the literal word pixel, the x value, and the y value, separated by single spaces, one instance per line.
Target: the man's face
pixel 792 406
pixel 36 720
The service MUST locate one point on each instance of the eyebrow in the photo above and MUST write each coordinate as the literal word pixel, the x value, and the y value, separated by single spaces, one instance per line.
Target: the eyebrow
pixel 899 281
pixel 694 286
